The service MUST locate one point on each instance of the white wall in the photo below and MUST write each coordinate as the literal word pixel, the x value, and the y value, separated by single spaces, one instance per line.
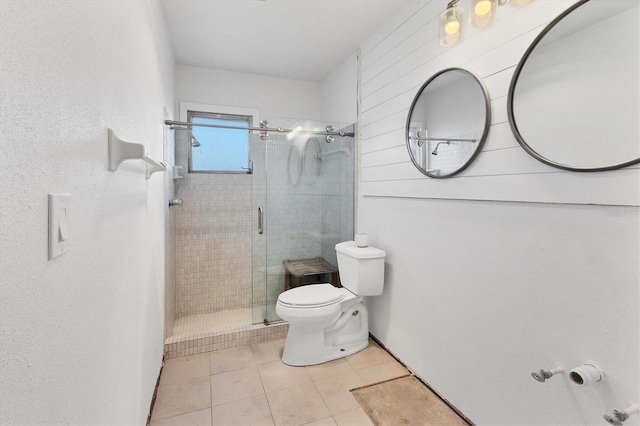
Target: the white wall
pixel 81 337
pixel 511 267
pixel 274 97
pixel 340 92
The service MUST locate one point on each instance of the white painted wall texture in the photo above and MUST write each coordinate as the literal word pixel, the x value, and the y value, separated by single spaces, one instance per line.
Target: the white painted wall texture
pixel 510 267
pixel 81 338
pixel 340 92
pixel 274 97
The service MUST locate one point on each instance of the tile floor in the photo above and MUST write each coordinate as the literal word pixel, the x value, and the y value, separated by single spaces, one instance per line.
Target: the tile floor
pixel 249 385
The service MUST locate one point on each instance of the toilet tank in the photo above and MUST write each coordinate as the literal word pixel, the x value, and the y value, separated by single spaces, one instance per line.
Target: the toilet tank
pixel 361 269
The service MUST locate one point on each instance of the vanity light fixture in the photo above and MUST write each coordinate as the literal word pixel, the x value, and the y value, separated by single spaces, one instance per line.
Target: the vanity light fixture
pixel 482 15
pixel 516 3
pixel 451 24
pixel 482 12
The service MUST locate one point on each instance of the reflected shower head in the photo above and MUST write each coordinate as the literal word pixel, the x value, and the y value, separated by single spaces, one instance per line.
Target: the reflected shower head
pixel 435 151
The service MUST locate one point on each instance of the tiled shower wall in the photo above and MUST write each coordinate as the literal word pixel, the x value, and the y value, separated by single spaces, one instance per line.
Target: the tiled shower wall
pixel 213 243
pixel 169 231
pixel 338 168
pixel 213 240
pixel 294 205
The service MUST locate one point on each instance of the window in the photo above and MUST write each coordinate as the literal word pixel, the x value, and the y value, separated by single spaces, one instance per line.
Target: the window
pixel 216 149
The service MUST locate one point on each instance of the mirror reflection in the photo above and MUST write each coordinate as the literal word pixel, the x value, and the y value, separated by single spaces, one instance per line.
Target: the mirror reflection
pixel 448 123
pixel 574 98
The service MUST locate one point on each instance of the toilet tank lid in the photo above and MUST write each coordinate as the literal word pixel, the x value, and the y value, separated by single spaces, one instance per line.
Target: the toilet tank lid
pixel 351 249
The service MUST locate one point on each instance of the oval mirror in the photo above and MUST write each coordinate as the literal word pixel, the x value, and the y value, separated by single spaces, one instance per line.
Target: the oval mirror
pixel 448 123
pixel 574 98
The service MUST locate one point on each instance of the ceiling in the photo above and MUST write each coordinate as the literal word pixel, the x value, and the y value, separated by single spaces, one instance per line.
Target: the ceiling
pixel 296 39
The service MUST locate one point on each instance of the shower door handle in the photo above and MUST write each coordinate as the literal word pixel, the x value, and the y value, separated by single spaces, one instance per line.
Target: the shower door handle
pixel 260 220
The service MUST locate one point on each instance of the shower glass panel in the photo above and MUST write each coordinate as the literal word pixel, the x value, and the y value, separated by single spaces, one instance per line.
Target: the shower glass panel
pixel 257 152
pixel 308 204
pixel 228 275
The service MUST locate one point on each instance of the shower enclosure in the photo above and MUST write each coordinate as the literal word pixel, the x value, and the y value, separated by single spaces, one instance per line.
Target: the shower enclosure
pixel 229 239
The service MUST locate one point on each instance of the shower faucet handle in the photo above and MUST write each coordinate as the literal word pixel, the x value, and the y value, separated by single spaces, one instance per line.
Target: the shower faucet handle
pixel 618 417
pixel 543 375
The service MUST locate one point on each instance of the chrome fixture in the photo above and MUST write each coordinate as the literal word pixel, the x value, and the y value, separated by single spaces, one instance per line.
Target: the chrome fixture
pixel 435 151
pixel 330 138
pixel 419 139
pixel 264 128
pixel 543 375
pixel 195 142
pixel 330 128
pixel 175 202
pixel 250 168
pixel 617 417
pixel 264 134
pixel 260 220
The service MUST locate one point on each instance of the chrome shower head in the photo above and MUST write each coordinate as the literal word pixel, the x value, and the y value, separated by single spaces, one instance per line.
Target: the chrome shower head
pixel 435 151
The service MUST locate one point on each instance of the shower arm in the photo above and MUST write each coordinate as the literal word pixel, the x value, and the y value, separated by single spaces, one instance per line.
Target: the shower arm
pixel 184 124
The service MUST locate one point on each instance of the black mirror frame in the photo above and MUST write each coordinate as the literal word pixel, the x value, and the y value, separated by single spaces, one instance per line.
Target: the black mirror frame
pixel 512 119
pixel 485 132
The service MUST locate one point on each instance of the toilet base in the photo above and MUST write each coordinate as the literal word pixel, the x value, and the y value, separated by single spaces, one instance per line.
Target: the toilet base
pixel 307 345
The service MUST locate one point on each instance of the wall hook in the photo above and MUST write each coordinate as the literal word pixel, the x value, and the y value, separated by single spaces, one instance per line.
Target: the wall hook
pixel 543 375
pixel 620 416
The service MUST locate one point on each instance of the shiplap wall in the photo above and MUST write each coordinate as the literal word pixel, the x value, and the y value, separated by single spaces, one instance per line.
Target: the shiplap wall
pixel 398 59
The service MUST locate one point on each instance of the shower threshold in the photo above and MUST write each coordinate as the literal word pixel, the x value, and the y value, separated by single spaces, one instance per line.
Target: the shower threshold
pixel 219 330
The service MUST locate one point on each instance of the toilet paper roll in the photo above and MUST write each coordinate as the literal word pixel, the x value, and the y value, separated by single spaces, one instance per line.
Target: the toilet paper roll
pixel 362 240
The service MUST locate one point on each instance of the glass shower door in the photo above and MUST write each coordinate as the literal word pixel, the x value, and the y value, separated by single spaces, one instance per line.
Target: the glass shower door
pixel 259 229
pixel 309 194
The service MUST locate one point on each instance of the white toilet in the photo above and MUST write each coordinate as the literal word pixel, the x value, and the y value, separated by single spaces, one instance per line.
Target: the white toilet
pixel 326 322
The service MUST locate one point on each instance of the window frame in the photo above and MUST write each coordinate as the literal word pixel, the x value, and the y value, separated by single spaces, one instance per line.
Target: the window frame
pixel 218 111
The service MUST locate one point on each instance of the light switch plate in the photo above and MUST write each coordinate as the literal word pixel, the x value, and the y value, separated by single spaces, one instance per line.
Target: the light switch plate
pixel 59 206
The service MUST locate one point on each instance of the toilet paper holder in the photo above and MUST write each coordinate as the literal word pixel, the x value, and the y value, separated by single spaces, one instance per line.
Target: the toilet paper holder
pixel 586 374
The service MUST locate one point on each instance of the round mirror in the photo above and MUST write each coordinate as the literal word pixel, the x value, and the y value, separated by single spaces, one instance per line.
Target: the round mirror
pixel 448 123
pixel 574 98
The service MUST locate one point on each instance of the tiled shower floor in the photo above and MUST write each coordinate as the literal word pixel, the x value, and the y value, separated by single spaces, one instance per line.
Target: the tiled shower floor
pixel 195 326
pixel 220 330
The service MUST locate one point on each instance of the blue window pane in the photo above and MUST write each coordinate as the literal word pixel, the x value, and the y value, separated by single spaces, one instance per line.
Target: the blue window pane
pixel 224 150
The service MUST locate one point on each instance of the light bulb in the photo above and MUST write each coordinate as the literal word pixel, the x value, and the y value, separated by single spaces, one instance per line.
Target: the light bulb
pixel 452 27
pixel 482 8
pixel 482 13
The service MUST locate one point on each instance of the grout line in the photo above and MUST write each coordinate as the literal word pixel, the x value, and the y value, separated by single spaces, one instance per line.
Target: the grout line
pixel 383 381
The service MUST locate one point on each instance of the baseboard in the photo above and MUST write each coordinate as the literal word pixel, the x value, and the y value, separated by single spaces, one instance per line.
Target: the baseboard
pixel 453 407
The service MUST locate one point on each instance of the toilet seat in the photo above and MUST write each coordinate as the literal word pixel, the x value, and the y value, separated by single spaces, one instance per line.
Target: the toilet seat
pixel 311 296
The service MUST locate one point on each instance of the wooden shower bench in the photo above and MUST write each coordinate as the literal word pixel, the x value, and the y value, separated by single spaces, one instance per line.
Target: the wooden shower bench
pixel 307 267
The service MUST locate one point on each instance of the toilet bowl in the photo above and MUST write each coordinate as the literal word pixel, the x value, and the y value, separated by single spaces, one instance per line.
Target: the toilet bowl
pixel 326 322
